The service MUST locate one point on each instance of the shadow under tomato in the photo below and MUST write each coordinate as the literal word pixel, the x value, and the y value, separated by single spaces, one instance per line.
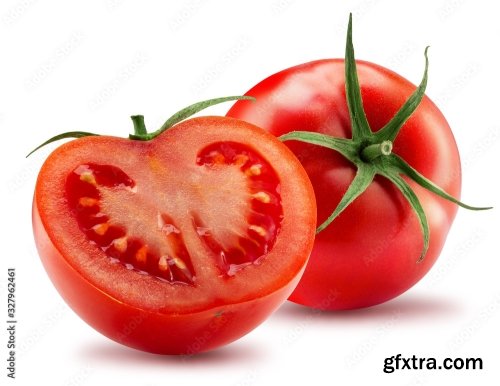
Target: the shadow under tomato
pixel 409 307
pixel 108 352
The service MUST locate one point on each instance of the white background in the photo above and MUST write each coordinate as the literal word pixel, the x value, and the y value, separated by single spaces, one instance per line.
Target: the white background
pixel 89 65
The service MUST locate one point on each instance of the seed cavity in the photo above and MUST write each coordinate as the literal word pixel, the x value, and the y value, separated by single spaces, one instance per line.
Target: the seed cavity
pixel 254 243
pixel 83 192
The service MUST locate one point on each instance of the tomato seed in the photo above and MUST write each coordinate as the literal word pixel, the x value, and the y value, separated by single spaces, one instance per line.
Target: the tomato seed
pixel 88 201
pixel 88 177
pixel 262 197
pixel 258 229
pixel 254 170
pixel 101 229
pixel 120 244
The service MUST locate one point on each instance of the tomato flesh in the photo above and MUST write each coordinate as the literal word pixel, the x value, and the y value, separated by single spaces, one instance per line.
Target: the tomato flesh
pixel 175 232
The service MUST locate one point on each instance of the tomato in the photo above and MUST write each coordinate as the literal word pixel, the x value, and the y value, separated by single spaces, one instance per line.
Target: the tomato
pixel 178 244
pixel 370 253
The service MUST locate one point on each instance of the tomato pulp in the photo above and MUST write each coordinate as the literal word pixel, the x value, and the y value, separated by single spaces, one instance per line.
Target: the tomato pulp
pixel 179 244
pixel 369 253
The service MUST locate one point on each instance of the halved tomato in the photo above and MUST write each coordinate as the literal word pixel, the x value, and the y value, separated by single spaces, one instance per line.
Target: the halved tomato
pixel 178 244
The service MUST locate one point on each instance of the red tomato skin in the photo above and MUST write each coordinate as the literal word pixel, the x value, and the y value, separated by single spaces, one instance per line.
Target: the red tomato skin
pixel 369 254
pixel 185 333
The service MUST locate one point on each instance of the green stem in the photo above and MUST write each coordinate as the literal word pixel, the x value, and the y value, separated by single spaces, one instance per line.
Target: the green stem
pixel 371 152
pixel 186 113
pixel 139 125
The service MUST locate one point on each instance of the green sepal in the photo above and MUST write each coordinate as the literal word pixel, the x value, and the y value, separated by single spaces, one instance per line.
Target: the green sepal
pixel 414 202
pixel 362 180
pixel 392 128
pixel 342 145
pixel 69 134
pixel 360 127
pixel 398 165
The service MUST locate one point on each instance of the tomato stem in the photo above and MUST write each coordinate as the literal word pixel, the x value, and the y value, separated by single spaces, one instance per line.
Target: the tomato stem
pixel 371 152
pixel 182 115
pixel 139 125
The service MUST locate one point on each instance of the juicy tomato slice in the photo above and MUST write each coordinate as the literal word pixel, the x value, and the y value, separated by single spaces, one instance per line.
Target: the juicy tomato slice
pixel 368 254
pixel 212 217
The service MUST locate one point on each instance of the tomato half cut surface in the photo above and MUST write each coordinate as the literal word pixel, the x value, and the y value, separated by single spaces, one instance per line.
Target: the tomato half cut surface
pixel 179 244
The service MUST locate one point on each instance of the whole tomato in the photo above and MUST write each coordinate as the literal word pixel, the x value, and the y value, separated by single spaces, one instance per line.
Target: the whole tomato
pixel 383 223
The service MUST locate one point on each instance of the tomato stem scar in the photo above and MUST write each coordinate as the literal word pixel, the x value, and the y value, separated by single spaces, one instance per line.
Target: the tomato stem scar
pixel 371 152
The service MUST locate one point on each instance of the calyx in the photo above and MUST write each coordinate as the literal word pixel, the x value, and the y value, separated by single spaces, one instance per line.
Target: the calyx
pixel 371 152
